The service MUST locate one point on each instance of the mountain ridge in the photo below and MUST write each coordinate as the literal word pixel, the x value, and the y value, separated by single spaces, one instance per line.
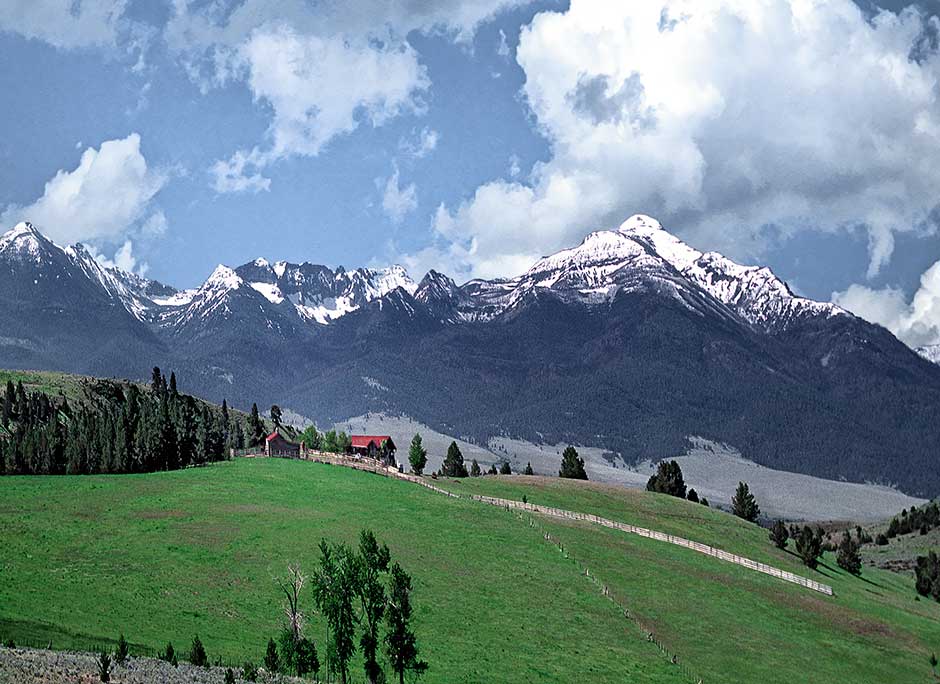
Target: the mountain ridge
pixel 631 341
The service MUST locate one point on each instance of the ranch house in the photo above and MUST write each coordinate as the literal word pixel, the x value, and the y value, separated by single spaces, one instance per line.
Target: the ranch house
pixel 276 445
pixel 380 447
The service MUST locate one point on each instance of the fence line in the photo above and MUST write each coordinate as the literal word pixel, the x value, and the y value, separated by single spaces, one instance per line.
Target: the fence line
pixel 373 466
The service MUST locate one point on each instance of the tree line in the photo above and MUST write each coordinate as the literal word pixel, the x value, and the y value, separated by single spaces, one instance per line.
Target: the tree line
pixel 118 429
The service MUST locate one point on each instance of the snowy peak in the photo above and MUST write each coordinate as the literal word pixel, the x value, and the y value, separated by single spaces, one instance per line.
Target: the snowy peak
pixel 23 242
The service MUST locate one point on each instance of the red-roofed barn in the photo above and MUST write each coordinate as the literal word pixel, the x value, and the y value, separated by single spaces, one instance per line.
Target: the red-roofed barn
pixel 276 445
pixel 380 447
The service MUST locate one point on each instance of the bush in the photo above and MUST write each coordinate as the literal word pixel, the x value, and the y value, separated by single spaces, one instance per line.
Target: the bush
pixel 10 644
pixel 104 667
pixel 528 469
pixel 249 671
pixel 475 469
pixel 197 653
pixel 229 676
pixel 881 539
pixel 120 655
pixel 505 469
pixel 169 655
pixel 848 557
pixel 779 534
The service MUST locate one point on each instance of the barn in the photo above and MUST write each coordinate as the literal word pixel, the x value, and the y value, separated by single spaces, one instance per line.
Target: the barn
pixel 276 445
pixel 380 447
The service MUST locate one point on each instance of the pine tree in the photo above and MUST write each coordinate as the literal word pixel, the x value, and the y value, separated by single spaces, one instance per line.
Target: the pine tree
pixel 667 480
pixel 848 557
pixel 255 427
pixel 271 661
pixel 276 416
pixel 417 455
pixel 121 653
pixel 173 391
pixel 197 653
pixel 572 465
pixel 453 465
pixel 692 496
pixel 779 534
pixel 475 469
pixel 400 641
pixel 505 468
pixel 743 503
pixel 808 547
pixel 528 469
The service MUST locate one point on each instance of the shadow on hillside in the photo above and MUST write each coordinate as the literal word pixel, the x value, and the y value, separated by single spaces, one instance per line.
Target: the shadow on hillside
pixel 822 569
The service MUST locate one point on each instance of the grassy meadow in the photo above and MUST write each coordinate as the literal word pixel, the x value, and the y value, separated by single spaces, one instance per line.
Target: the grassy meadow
pixel 168 555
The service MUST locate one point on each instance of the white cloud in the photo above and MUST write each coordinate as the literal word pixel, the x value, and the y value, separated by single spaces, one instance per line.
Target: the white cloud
pixel 65 23
pixel 426 143
pixel 719 117
pixel 103 198
pixel 123 259
pixel 502 48
pixel 317 89
pixel 916 322
pixel 398 201
pixel 321 70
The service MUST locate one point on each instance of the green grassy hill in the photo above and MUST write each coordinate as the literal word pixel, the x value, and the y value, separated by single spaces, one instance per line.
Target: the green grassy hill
pixel 168 555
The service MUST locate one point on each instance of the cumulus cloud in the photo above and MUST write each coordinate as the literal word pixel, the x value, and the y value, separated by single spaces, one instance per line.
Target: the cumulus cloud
pixel 398 201
pixel 721 117
pixel 916 322
pixel 65 23
pixel 103 198
pixel 320 70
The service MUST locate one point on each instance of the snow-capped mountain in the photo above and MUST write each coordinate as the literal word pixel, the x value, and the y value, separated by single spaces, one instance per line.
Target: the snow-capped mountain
pixel 630 341
pixel 931 352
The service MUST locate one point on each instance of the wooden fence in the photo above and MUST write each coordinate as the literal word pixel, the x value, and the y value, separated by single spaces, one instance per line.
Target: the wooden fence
pixel 373 466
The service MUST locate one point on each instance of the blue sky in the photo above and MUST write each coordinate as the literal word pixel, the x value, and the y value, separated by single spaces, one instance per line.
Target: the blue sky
pixel 475 135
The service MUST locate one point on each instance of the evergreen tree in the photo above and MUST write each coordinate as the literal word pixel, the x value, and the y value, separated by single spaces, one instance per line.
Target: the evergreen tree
pixel 255 427
pixel 169 655
pixel 743 503
pixel 400 641
pixel 453 465
pixel 122 651
pixel 156 381
pixel 276 416
pixel 492 470
pixel 173 391
pixel 475 469
pixel 104 667
pixel 197 653
pixel 417 455
pixel 692 496
pixel 848 556
pixel 505 469
pixel 528 469
pixel 271 661
pixel 572 465
pixel 312 438
pixel 808 547
pixel 779 534
pixel 667 480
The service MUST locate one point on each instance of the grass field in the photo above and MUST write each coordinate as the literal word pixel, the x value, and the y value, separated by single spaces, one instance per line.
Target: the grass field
pixel 167 555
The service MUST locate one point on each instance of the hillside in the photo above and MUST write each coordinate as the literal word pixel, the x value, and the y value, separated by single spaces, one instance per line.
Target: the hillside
pixel 631 343
pixel 168 555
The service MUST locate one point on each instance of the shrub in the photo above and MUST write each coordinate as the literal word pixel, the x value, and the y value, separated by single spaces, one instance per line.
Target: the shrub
pixel 528 469
pixel 120 655
pixel 475 469
pixel 229 676
pixel 505 469
pixel 104 667
pixel 693 496
pixel 704 502
pixel 197 653
pixel 881 539
pixel 10 644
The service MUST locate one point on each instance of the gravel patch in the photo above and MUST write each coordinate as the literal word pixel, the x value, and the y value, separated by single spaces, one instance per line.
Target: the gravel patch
pixel 37 666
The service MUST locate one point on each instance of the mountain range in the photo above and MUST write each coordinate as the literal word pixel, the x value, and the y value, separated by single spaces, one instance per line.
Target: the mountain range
pixel 632 341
